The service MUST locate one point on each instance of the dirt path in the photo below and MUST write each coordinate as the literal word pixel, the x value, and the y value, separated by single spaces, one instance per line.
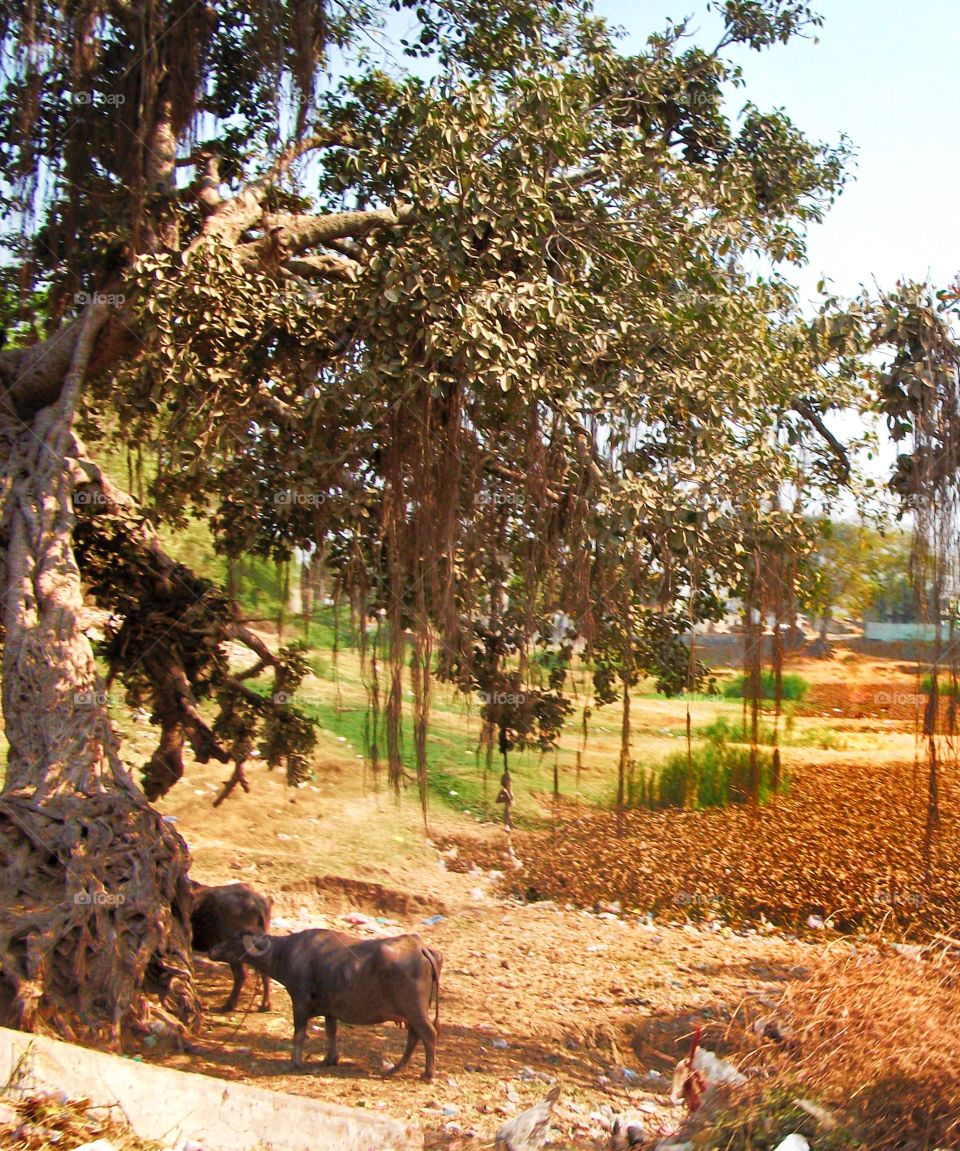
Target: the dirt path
pixel 531 993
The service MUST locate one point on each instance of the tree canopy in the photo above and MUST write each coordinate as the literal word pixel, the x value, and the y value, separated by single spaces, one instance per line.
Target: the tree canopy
pixel 496 327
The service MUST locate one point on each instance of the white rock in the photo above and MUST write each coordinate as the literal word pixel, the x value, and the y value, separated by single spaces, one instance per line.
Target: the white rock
pixel 793 1143
pixel 714 1070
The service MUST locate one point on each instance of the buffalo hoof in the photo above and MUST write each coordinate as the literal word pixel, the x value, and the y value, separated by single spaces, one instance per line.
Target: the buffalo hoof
pixel 227 1007
pixel 331 1061
pixel 426 1077
pixel 264 1007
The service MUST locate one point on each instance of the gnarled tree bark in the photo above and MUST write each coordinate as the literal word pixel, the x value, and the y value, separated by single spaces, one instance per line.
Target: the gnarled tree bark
pixel 93 886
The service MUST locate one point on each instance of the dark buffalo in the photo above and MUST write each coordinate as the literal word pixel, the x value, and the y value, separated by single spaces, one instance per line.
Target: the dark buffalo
pixel 220 914
pixel 350 981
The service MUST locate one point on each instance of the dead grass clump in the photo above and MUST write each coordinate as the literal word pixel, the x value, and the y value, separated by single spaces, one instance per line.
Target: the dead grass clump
pixel 45 1121
pixel 874 1037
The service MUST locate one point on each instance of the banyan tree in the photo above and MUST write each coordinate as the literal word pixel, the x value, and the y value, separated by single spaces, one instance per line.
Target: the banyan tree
pixel 478 322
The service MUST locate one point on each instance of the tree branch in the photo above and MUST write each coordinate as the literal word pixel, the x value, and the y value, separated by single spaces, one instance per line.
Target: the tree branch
pixel 806 409
pixel 290 234
pixel 322 267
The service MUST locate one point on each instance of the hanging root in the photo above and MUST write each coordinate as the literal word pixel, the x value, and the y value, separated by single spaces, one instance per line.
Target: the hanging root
pixel 94 915
pixel 237 779
pixel 167 641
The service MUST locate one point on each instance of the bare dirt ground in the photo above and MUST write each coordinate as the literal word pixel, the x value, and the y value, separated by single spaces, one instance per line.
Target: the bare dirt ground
pixel 602 1002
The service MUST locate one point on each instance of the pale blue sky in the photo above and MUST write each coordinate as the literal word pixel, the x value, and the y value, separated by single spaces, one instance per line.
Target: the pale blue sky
pixel 886 73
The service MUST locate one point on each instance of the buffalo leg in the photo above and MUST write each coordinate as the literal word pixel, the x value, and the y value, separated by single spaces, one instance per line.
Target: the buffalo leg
pixel 421 1028
pixel 333 1056
pixel 265 1001
pixel 300 1021
pixel 238 978
pixel 412 1038
pixel 428 1033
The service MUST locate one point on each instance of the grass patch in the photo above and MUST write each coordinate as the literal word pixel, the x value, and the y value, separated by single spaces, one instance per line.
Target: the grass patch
pixel 793 687
pixel 728 731
pixel 944 686
pixel 716 774
pixel 454 775
pixel 724 730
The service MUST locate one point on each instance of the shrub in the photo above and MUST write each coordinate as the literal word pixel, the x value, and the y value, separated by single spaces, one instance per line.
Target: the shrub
pixel 716 772
pixel 793 687
pixel 944 687
pixel 734 732
pixel 727 731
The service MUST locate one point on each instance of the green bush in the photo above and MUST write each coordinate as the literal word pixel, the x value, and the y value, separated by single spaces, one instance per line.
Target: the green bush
pixel 717 771
pixel 733 731
pixel 944 687
pixel 793 687
pixel 729 731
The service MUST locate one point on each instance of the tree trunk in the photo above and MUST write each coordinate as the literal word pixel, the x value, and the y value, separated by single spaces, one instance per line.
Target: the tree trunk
pixel 624 760
pixel 93 885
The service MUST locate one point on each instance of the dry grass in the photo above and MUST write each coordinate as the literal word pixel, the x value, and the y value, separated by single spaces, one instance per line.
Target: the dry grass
pixel 873 1037
pixel 46 1121
pixel 846 844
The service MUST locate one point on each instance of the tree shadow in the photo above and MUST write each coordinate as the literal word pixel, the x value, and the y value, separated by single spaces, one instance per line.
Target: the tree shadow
pixel 256 1046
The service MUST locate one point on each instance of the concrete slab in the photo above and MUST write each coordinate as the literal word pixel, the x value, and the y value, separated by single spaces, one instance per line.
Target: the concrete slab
pixel 169 1105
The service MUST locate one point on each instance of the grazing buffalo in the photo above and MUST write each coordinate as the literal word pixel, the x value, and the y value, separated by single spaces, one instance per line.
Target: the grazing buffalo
pixel 349 980
pixel 220 914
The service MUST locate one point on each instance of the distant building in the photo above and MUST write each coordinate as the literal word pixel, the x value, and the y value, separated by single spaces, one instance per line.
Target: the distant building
pixel 883 632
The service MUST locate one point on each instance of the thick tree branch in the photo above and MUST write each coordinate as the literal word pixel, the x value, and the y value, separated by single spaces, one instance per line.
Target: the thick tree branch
pixel 231 218
pixel 322 267
pixel 806 409
pixel 290 234
pixel 38 371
